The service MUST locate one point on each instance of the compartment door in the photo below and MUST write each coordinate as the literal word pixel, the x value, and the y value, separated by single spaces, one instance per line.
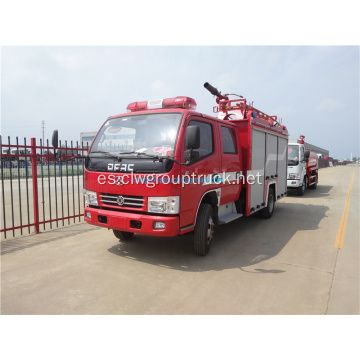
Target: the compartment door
pixel 257 167
pixel 282 165
pixel 272 154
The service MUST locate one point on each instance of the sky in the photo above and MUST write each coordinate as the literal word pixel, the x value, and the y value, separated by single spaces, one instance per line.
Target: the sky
pixel 313 89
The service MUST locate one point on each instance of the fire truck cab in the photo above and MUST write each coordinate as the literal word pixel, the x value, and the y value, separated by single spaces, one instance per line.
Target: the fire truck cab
pixel 163 169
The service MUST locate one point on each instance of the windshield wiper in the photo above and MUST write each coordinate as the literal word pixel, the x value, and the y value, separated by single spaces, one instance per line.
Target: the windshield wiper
pixel 128 153
pixel 103 153
pixel 140 154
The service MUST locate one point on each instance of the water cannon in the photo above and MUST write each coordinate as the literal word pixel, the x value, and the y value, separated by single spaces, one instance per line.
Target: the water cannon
pixel 215 92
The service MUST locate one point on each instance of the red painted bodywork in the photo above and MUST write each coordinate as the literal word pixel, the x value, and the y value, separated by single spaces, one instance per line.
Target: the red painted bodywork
pixel 313 161
pixel 190 194
pixel 312 168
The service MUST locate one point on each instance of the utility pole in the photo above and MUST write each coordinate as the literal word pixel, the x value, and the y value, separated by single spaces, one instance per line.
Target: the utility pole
pixel 43 131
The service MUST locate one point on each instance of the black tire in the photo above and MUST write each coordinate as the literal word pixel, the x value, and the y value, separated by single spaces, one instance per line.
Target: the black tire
pixel 204 230
pixel 123 235
pixel 267 212
pixel 314 186
pixel 301 189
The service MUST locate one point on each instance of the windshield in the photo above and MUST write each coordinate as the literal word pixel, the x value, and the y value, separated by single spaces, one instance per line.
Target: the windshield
pixel 293 155
pixel 153 134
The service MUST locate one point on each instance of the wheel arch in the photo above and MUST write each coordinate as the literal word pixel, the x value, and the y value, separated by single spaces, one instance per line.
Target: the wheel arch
pixel 271 185
pixel 211 197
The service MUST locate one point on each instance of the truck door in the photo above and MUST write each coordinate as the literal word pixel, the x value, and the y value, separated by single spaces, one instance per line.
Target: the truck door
pixel 196 176
pixel 302 163
pixel 230 165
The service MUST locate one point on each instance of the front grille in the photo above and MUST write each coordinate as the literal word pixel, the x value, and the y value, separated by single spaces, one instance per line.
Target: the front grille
pixel 128 201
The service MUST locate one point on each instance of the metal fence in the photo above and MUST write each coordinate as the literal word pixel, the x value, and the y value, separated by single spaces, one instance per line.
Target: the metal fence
pixel 39 190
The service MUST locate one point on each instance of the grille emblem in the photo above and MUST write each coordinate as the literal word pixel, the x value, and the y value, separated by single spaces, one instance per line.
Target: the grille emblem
pixel 120 201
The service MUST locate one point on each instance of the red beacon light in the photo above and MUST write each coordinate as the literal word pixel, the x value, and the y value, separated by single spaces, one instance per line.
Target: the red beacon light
pixel 182 102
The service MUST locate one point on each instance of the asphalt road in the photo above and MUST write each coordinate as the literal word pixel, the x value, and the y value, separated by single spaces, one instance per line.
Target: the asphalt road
pixel 293 263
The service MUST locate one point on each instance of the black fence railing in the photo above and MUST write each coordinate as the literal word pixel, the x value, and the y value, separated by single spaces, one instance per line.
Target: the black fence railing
pixel 38 189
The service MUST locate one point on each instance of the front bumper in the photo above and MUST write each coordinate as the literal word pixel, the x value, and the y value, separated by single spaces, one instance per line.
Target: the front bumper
pixel 125 221
pixel 293 183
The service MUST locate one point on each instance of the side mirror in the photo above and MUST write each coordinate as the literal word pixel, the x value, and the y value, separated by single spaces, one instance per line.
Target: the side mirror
pixel 191 156
pixel 192 138
pixel 307 155
pixel 54 140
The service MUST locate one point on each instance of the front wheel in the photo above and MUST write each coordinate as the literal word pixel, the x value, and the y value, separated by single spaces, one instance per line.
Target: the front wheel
pixel 267 212
pixel 301 189
pixel 204 230
pixel 123 235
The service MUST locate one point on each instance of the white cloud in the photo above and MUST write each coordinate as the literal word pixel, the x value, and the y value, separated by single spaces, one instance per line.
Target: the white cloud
pixel 162 90
pixel 225 82
pixel 68 61
pixel 328 104
pixel 282 111
pixel 157 86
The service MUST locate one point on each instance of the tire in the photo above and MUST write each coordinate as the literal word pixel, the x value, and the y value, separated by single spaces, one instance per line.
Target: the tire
pixel 314 186
pixel 204 230
pixel 301 189
pixel 268 211
pixel 123 235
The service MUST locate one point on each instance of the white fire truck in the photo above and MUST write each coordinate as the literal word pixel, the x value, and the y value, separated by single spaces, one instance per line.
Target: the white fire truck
pixel 303 172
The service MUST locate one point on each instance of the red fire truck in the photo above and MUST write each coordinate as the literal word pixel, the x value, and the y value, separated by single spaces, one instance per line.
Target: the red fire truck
pixel 163 169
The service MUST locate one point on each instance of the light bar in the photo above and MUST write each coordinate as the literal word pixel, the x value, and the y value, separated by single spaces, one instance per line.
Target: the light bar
pixel 137 106
pixel 182 102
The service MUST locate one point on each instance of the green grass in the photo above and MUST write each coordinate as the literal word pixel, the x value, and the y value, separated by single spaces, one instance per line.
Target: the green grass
pixel 42 171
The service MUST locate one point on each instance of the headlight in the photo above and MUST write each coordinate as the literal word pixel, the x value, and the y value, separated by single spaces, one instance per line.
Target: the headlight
pixel 164 205
pixel 294 176
pixel 90 198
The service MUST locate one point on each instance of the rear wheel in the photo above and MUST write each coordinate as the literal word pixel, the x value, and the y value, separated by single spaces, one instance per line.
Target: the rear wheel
pixel 123 235
pixel 267 212
pixel 204 230
pixel 314 186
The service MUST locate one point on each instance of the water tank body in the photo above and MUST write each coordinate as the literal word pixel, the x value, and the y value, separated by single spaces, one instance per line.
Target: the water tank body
pixel 313 160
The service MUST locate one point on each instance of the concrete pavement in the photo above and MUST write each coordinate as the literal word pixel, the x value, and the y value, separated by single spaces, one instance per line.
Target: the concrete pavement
pixel 285 265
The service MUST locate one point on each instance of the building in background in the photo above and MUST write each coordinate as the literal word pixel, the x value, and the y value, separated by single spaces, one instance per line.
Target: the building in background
pixel 86 138
pixel 324 160
pixel 322 153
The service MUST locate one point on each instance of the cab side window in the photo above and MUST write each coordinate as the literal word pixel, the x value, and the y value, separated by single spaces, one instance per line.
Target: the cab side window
pixel 228 140
pixel 206 138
